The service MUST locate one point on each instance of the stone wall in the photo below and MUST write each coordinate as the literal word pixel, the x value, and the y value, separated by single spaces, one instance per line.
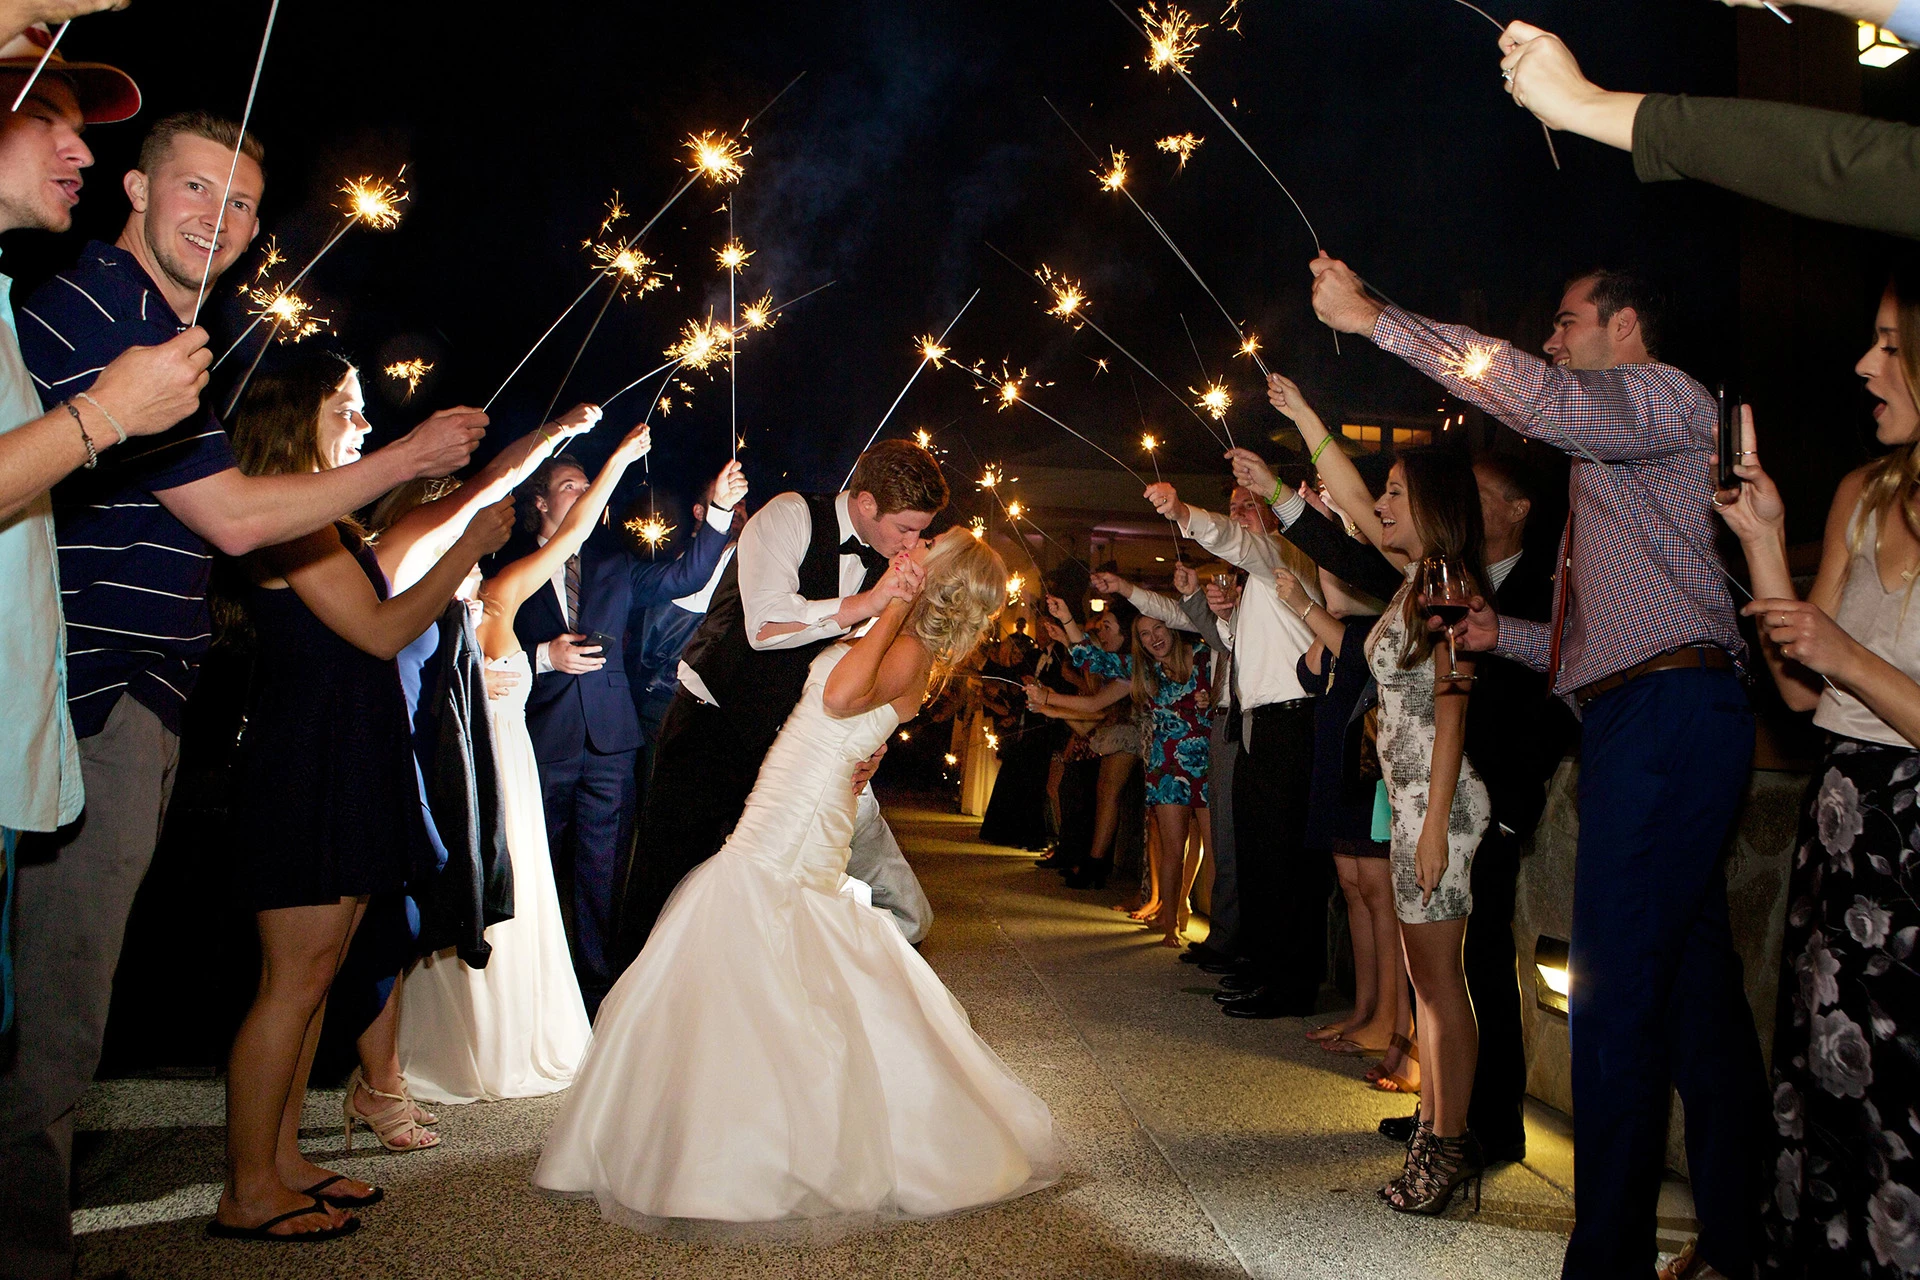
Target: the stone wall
pixel 1757 862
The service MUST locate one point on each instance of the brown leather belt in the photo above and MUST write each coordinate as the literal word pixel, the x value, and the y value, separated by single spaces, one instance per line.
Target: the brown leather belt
pixel 1698 657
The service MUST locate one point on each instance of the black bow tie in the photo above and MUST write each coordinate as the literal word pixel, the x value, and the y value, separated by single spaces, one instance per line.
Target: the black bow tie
pixel 875 562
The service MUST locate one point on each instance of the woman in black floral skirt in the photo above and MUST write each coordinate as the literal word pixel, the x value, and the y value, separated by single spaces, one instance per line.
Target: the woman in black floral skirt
pixel 1843 1184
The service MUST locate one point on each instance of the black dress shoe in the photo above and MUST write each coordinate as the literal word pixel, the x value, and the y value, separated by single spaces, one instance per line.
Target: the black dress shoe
pixel 1227 996
pixel 1240 983
pixel 1201 953
pixel 1052 862
pixel 1268 1003
pixel 1400 1128
pixel 1219 966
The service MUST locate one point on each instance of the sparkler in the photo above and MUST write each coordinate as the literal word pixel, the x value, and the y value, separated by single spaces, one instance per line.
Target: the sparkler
pixel 1475 362
pixel 651 530
pixel 233 165
pixel 1115 178
pixel 410 372
pixel 932 352
pixel 292 322
pixel 370 202
pixel 765 322
pixel 1008 387
pixel 1214 400
pixel 1501 27
pixel 1152 446
pixel 41 65
pixel 758 315
pixel 1077 315
pixel 733 255
pixel 1016 588
pixel 1182 145
pixel 978 528
pixel 699 343
pixel 715 156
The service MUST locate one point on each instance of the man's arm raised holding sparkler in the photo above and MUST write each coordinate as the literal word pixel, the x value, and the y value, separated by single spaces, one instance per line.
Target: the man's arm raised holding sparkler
pixel 1151 603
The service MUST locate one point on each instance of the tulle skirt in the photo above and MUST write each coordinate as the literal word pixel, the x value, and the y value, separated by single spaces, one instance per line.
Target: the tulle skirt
pixel 780 1054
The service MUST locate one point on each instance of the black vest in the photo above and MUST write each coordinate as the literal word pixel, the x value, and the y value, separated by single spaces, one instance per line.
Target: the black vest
pixel 756 688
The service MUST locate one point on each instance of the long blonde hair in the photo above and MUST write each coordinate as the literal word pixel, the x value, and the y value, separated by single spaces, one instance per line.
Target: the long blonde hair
pixel 1894 480
pixel 966 590
pixel 1146 668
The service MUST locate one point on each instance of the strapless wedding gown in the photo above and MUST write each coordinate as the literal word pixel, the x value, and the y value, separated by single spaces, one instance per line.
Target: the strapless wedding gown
pixel 517 1028
pixel 778 1051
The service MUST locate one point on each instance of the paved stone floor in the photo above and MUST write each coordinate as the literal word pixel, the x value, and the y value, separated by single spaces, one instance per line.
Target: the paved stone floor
pixel 1198 1147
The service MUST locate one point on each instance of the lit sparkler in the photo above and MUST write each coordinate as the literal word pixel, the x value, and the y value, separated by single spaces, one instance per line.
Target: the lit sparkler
pixel 716 156
pixel 932 351
pixel 1475 362
pixel 1214 399
pixel 1115 177
pixel 630 268
pixel 758 315
pixel 733 256
pixel 270 257
pixel 1182 145
pixel 990 476
pixel 651 530
pixel 410 372
pixel 1015 510
pixel 291 314
pixel 1250 346
pixel 666 406
pixel 1008 387
pixel 978 528
pixel 616 212
pixel 1068 300
pixel 1016 588
pixel 701 343
pixel 1172 37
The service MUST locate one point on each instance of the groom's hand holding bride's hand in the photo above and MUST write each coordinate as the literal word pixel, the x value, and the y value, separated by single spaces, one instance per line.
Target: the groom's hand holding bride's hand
pixel 864 771
pixel 904 580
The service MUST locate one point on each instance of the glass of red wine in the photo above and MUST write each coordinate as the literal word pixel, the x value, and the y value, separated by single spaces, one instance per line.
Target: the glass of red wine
pixel 1446 592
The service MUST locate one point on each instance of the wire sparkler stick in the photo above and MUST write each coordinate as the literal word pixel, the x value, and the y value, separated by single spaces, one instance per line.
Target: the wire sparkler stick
pixel 220 217
pixel 1077 314
pixel 1151 445
pixel 40 66
pixel 1501 27
pixel 739 260
pixel 931 352
pixel 765 320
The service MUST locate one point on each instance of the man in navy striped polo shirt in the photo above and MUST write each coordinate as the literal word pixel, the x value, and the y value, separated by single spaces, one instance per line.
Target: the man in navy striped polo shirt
pixel 136 538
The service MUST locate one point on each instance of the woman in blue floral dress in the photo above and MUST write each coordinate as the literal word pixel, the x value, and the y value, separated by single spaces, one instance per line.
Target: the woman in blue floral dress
pixel 1167 677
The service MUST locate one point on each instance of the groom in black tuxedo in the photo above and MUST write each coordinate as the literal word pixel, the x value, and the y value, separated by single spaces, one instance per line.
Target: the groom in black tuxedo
pixel 809 570
pixel 579 713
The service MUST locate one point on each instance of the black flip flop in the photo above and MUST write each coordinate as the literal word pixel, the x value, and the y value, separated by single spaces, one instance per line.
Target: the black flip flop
pixel 265 1234
pixel 318 1192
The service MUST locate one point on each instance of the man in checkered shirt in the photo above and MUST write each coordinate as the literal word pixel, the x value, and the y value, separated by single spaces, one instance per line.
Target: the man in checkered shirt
pixel 1644 645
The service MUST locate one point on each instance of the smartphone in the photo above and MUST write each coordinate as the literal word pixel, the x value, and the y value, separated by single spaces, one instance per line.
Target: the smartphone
pixel 1728 449
pixel 598 640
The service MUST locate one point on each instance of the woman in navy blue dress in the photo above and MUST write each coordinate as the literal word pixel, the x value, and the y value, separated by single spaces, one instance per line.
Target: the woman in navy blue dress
pixel 327 809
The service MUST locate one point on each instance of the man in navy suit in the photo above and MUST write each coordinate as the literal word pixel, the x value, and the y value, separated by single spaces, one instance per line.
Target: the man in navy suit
pixel 580 713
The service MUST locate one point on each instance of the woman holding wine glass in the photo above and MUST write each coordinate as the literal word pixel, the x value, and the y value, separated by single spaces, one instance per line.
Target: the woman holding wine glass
pixel 1427 525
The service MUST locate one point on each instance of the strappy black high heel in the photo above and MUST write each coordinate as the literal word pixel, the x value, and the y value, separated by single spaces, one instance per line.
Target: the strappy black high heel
pixel 1436 1168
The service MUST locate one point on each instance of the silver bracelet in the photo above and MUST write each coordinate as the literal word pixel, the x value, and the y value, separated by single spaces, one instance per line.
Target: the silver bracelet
pixel 111 420
pixel 93 455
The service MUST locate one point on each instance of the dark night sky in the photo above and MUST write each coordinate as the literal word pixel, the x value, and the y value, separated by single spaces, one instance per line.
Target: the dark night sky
pixel 918 133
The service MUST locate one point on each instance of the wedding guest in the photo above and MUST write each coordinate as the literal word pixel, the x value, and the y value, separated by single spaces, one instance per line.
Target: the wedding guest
pixel 1114 743
pixel 1644 643
pixel 1847 169
pixel 1208 608
pixel 1073 775
pixel 145 390
pixel 1283 889
pixel 326 811
pixel 1843 1190
pixel 1167 679
pixel 451 898
pixel 585 732
pixel 809 570
pixel 136 536
pixel 1016 812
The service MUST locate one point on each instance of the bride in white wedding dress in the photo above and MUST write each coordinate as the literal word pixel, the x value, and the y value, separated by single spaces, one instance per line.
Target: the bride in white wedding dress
pixel 778 1051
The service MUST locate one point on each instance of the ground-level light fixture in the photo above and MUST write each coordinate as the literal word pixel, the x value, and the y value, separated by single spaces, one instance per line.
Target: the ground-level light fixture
pixel 1879 47
pixel 1551 979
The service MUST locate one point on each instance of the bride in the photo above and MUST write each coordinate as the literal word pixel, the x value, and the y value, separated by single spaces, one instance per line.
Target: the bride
pixel 778 1051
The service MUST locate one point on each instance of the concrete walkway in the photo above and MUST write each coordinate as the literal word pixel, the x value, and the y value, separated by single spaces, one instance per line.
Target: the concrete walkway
pixel 1198 1146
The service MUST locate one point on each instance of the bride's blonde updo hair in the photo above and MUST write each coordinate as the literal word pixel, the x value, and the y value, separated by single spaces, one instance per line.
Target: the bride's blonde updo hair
pixel 966 589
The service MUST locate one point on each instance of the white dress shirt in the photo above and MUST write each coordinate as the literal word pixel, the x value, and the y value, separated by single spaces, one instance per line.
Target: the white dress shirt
pixel 1499 570
pixel 1155 605
pixel 772 546
pixel 1268 637
pixel 718 518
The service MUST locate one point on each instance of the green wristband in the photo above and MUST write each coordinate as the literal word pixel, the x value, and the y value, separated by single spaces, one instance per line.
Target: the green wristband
pixel 1279 487
pixel 1320 448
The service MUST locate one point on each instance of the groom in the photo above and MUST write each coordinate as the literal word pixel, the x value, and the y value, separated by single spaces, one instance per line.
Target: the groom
pixel 810 569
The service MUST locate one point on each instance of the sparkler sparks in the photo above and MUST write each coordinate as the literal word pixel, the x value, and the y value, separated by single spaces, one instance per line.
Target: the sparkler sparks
pixel 410 372
pixel 1172 37
pixel 930 349
pixel 1016 588
pixel 1182 145
pixel 733 256
pixel 1214 399
pixel 1015 510
pixel 1068 300
pixel 651 530
pixel 1115 178
pixel 665 405
pixel 1009 392
pixel 1475 361
pixel 616 212
pixel 289 312
pixel 991 476
pixel 1250 346
pixel 717 156
pixel 1149 443
pixel 758 315
pixel 632 267
pixel 270 257
pixel 923 438
pixel 701 343
pixel 978 528
pixel 375 202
